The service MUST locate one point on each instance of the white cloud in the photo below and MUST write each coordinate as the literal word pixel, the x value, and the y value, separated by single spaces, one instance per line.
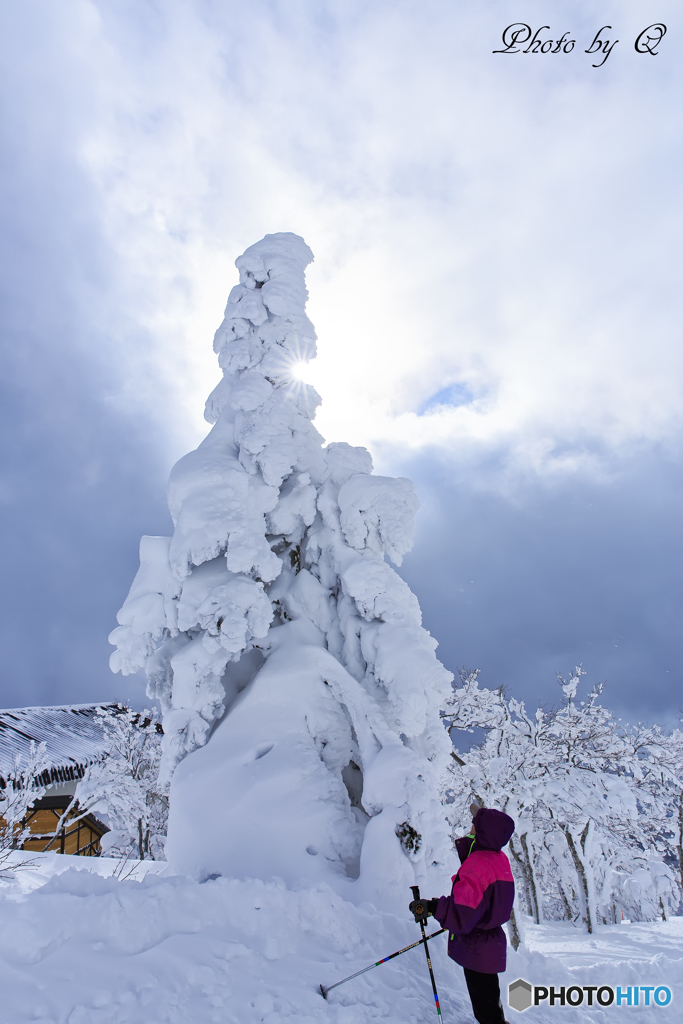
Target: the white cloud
pixel 506 224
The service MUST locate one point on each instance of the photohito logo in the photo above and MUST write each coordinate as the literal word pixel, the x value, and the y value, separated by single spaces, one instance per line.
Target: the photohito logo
pixel 522 994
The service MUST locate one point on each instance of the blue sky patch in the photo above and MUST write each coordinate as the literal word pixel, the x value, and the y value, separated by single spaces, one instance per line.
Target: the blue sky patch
pixel 454 395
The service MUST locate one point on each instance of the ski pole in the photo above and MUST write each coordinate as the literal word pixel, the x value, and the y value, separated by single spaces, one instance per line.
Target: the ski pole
pixel 416 895
pixel 328 988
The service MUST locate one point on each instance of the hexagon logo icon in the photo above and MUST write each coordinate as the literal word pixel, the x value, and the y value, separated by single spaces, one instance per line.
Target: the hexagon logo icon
pixel 519 995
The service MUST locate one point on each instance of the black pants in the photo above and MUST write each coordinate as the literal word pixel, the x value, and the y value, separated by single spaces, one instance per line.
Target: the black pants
pixel 484 992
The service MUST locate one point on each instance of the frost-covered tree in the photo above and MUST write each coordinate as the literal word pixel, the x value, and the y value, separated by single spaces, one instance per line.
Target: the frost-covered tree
pixel 21 790
pixel 502 771
pixel 592 800
pixel 658 773
pixel 124 789
pixel 271 625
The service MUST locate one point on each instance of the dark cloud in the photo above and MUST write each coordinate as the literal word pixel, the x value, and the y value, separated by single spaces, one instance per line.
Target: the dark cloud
pixel 529 579
pixel 80 481
pixel 79 487
pixel 80 478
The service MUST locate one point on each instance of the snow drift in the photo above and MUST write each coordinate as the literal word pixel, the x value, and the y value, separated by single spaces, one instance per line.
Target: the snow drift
pixel 299 689
pixel 86 948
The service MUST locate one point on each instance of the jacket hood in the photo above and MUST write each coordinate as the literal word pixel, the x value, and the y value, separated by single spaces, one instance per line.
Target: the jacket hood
pixel 493 829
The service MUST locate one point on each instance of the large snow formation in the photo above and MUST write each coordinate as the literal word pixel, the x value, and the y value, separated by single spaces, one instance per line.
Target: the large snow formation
pixel 85 948
pixel 271 626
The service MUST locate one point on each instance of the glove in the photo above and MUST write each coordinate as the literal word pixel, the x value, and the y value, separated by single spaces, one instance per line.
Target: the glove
pixel 422 909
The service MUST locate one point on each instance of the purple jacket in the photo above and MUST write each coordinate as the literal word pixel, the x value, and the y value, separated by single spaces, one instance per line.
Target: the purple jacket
pixel 482 896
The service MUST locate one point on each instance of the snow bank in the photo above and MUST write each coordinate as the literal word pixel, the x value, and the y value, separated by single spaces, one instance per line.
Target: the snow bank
pixel 88 949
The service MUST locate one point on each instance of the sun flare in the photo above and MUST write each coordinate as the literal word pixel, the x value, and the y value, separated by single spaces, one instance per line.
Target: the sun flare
pixel 298 369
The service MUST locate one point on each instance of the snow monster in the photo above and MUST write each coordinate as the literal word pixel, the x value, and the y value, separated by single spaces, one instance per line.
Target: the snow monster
pixel 300 692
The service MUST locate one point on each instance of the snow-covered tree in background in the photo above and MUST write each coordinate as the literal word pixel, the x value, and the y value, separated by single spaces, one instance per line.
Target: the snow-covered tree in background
pixel 124 789
pixel 22 789
pixel 594 801
pixel 271 626
pixel 658 774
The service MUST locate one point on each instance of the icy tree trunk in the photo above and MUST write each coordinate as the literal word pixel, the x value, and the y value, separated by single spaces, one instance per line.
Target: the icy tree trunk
pixel 518 859
pixel 679 848
pixel 531 889
pixel 578 855
pixel 515 931
pixel 568 914
pixel 534 889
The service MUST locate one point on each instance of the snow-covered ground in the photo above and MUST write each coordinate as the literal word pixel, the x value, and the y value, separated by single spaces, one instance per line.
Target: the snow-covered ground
pixel 611 945
pixel 616 955
pixel 78 946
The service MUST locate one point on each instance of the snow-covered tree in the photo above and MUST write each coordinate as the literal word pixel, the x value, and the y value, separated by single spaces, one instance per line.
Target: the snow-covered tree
pixel 592 800
pixel 502 772
pixel 658 774
pixel 271 625
pixel 123 788
pixel 22 788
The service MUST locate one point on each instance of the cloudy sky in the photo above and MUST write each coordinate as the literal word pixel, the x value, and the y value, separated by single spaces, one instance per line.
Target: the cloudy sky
pixel 496 293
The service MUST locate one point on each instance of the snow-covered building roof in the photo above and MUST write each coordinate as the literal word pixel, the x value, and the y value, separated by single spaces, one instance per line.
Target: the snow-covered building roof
pixel 72 734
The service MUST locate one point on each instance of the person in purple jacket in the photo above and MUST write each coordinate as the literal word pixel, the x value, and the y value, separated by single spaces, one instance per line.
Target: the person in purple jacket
pixel 480 902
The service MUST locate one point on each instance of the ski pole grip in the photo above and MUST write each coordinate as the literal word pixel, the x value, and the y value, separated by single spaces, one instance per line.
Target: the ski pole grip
pixel 415 889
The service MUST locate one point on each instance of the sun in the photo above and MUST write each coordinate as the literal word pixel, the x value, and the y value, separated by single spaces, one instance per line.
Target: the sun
pixel 297 369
